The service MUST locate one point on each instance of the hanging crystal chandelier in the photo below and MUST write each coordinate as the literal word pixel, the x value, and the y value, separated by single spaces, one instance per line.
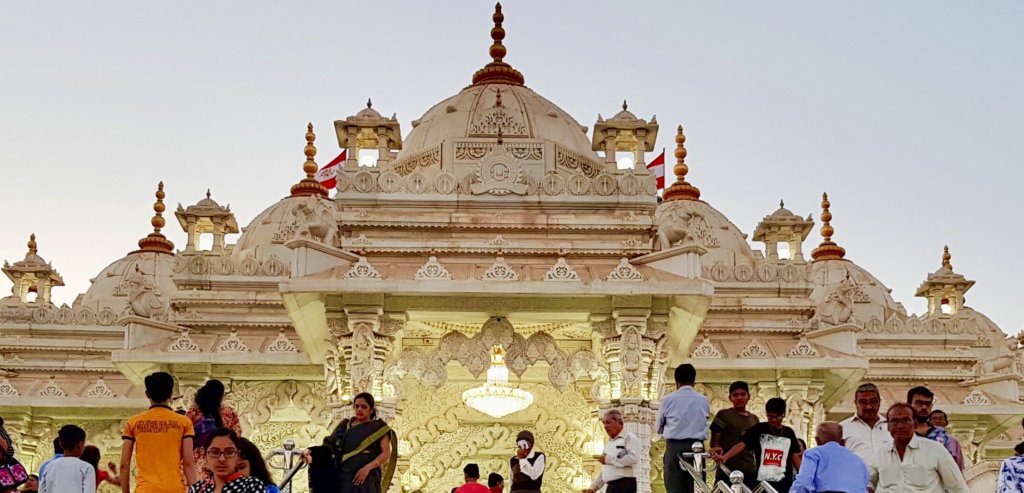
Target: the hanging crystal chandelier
pixel 497 398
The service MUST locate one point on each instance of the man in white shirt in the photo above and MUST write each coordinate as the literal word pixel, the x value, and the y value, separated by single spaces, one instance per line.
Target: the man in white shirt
pixel 913 464
pixel 69 474
pixel 866 432
pixel 621 453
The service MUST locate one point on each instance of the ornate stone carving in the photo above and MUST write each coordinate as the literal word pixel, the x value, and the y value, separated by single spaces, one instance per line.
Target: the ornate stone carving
pixel 422 159
pixel 144 299
pixel 417 182
pixel 803 349
pixel 184 344
pixel 281 344
pixel 363 270
pixel 233 344
pixel 977 397
pixel 625 271
pixel 561 271
pixel 313 219
pixel 499 241
pixel 100 390
pixel 445 182
pixel 706 350
pixel 52 389
pixel 389 182
pixel 472 151
pixel 754 350
pixel 499 174
pixel 497 120
pixel 361 241
pixel 432 270
pixel 500 271
pixel 572 161
pixel 837 308
pixel 6 389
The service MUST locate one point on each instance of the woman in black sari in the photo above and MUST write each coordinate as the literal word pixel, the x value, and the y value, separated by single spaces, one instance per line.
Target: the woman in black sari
pixel 358 457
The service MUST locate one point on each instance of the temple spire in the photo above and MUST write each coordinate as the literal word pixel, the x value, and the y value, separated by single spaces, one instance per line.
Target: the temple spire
pixel 32 247
pixel 309 185
pixel 156 242
pixel 681 189
pixel 828 249
pixel 946 257
pixel 498 72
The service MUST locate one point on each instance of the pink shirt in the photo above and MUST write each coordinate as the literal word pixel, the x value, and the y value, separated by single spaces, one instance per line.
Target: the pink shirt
pixel 472 488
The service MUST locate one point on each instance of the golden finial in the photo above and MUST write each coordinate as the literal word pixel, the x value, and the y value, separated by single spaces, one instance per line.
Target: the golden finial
pixel 156 242
pixel 32 244
pixel 309 185
pixel 828 249
pixel 498 71
pixel 681 190
pixel 946 257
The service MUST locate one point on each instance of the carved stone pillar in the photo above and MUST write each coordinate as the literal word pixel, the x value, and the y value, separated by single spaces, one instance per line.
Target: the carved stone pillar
pixel 633 344
pixel 639 418
pixel 364 341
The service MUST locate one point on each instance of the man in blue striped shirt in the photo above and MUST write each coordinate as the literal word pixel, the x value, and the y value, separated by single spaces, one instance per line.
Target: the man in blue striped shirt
pixel 682 421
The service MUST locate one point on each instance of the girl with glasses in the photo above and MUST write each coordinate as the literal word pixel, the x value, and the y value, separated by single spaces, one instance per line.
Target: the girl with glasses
pixel 223 452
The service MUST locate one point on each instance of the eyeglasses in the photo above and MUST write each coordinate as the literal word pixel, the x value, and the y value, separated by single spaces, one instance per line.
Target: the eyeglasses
pixel 215 453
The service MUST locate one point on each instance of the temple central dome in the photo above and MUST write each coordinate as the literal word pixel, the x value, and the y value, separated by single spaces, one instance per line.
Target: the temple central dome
pixel 481 111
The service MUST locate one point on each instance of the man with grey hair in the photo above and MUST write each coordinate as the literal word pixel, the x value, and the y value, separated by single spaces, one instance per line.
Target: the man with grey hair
pixel 621 454
pixel 867 432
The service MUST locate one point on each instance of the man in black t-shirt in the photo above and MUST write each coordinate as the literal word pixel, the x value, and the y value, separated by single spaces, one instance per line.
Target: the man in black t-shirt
pixel 774 446
pixel 727 428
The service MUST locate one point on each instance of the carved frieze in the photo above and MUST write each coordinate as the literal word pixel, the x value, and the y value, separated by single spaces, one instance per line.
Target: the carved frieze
pixel 281 344
pixel 100 390
pixel 574 162
pixel 500 271
pixel 625 271
pixel 233 344
pixel 754 350
pixel 363 270
pixel 432 269
pixel 561 271
pixel 183 344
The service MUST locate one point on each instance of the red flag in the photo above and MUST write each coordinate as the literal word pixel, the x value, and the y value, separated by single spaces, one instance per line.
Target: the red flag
pixel 327 176
pixel 658 168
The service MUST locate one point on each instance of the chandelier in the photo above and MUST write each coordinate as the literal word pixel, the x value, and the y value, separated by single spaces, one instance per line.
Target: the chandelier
pixel 497 398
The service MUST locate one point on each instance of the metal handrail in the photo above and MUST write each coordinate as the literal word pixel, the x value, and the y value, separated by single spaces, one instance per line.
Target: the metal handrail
pixel 694 464
pixel 285 484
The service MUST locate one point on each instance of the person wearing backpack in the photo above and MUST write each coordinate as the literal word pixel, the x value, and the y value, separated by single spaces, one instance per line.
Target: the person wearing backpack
pixel 207 414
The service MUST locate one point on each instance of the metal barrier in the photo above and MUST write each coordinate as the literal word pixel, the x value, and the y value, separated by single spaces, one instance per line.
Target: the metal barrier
pixel 288 455
pixel 694 464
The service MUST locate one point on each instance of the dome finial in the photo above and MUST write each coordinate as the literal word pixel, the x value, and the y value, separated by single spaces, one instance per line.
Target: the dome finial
pixel 946 257
pixel 309 185
pixel 156 242
pixel 369 103
pixel 782 204
pixel 32 247
pixel 207 193
pixel 828 249
pixel 498 71
pixel 624 105
pixel 681 189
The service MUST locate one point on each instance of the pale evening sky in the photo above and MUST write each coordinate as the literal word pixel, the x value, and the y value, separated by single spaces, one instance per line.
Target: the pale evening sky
pixel 907 113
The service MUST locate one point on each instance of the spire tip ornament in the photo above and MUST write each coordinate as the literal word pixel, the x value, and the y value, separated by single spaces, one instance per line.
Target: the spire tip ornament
pixel 309 185
pixel 828 249
pixel 681 189
pixel 32 247
pixel 156 242
pixel 498 72
pixel 946 257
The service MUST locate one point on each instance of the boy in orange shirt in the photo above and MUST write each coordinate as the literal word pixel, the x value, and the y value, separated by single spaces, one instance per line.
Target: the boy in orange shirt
pixel 161 440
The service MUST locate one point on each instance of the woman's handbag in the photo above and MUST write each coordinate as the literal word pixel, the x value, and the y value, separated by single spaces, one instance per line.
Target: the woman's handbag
pixel 12 473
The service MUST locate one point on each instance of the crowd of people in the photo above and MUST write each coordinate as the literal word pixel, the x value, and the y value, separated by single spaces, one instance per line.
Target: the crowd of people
pixel 201 449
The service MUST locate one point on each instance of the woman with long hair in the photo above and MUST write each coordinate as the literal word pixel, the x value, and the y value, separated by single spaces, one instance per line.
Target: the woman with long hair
pixel 91 454
pixel 209 413
pixel 252 464
pixel 358 457
pixel 223 451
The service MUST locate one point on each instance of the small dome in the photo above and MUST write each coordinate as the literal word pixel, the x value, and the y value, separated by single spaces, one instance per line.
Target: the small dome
pixel 871 298
pixel 625 115
pixel 710 228
pixel 110 289
pixel 480 110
